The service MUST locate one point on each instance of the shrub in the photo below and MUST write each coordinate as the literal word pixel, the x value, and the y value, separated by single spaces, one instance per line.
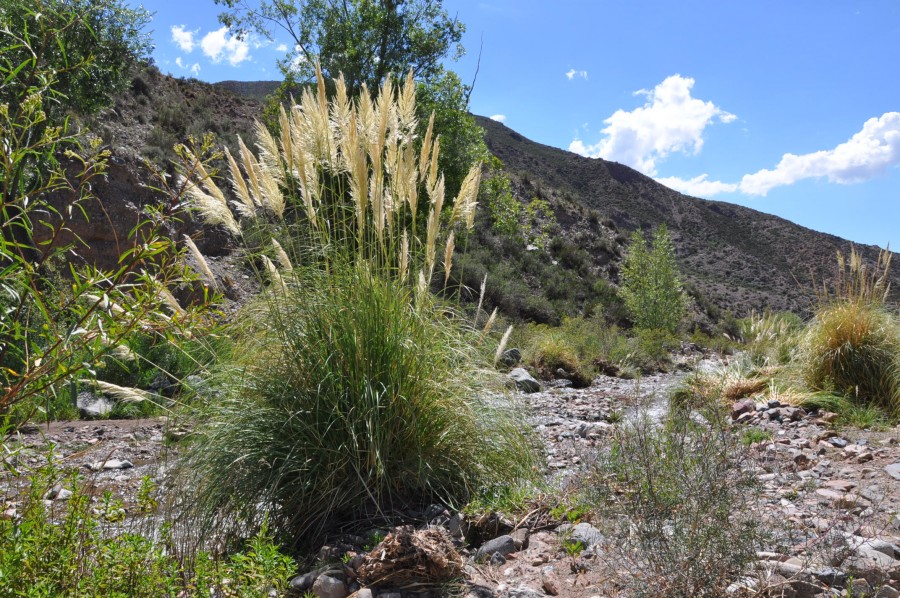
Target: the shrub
pixel 348 399
pixel 678 501
pixel 71 548
pixel 852 346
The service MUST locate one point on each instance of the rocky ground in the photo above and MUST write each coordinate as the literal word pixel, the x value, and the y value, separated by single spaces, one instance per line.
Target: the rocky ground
pixel 833 495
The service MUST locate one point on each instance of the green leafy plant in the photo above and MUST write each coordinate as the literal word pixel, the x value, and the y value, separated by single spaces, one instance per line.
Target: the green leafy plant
pixel 56 322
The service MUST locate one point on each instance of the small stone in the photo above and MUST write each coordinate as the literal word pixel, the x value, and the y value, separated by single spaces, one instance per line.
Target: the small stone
pixel 859 587
pixel 326 586
pixel 511 357
pixel 364 593
pixel 831 576
pixel 742 407
pixel 887 592
pixel 111 464
pixel 520 538
pixel 840 485
pixel 503 545
pixel 497 560
pixel 585 533
pixel 838 442
pixel 549 582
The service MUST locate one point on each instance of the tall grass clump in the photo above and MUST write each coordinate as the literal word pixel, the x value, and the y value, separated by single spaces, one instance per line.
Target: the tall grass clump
pixel 349 392
pixel 852 346
pixel 349 400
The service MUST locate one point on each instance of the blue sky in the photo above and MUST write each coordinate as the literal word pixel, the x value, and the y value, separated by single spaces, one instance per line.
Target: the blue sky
pixel 791 108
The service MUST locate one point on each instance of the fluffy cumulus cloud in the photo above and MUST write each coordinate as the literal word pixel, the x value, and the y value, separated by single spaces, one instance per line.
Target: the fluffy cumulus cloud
pixel 218 45
pixel 572 73
pixel 183 39
pixel 699 186
pixel 194 68
pixel 499 118
pixel 671 120
pixel 865 155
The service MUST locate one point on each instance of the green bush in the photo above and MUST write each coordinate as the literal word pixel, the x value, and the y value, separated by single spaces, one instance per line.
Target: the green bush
pixel 348 392
pixel 853 349
pixel 651 287
pixel 346 398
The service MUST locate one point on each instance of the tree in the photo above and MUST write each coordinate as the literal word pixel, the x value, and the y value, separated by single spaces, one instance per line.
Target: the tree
pixel 85 47
pixel 59 56
pixel 651 286
pixel 366 40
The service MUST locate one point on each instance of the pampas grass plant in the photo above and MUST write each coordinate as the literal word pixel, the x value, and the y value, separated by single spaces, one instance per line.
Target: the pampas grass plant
pixel 852 346
pixel 350 392
pixel 348 400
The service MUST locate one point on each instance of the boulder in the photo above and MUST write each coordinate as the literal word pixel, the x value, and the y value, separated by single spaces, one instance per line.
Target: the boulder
pixel 524 381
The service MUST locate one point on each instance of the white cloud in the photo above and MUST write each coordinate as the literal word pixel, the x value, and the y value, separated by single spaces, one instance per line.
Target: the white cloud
pixel 499 118
pixel 217 45
pixel 572 73
pixel 698 186
pixel 669 121
pixel 868 153
pixel 194 68
pixel 182 38
pixel 281 47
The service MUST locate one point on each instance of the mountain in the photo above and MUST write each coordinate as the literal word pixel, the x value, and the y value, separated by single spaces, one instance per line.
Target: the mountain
pixel 732 258
pixel 738 258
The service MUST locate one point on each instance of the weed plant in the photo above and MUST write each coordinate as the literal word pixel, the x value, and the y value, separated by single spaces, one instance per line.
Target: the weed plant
pixel 678 499
pixel 349 398
pixel 78 547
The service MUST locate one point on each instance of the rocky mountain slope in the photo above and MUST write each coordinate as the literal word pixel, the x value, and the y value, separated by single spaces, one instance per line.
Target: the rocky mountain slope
pixel 733 258
pixel 739 258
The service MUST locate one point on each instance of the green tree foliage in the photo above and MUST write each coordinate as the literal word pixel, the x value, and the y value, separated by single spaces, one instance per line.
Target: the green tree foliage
pixel 366 40
pixel 52 333
pixel 496 193
pixel 651 286
pixel 87 45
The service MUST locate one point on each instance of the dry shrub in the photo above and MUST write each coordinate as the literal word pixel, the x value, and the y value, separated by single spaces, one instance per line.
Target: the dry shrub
pixel 413 557
pixel 745 387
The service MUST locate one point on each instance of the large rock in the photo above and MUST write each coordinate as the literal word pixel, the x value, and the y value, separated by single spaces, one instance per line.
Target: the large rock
pixel 91 406
pixel 585 533
pixel 326 586
pixel 524 381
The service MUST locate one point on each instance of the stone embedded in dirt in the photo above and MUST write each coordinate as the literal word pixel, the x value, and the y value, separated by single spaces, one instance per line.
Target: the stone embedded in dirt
pixel 503 545
pixel 741 407
pixel 838 442
pixel 840 485
pixel 549 581
pixel 585 533
pixel 111 464
pixel 893 470
pixel 511 357
pixel 524 381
